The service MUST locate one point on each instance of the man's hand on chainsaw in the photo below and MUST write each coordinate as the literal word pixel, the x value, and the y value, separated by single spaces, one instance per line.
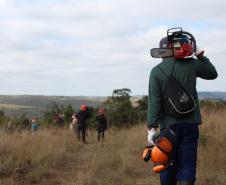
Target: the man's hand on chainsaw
pixel 151 133
pixel 199 52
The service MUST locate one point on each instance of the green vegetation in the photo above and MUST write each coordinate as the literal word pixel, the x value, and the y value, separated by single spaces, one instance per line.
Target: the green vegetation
pixel 55 109
pixel 120 110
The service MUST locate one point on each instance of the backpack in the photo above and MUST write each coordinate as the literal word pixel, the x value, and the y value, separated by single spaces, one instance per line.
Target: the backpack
pixel 177 101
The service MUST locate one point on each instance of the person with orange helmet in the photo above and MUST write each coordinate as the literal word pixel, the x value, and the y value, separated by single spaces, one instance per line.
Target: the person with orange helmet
pixel 82 116
pixel 173 102
pixel 102 123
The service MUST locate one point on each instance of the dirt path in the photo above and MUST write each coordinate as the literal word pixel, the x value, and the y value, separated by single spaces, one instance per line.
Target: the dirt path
pixel 74 169
pixel 114 161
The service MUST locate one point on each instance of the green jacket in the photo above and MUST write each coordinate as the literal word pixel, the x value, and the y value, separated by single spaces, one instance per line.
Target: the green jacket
pixel 186 71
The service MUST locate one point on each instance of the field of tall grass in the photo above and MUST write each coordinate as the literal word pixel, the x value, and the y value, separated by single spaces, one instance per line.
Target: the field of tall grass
pixel 55 157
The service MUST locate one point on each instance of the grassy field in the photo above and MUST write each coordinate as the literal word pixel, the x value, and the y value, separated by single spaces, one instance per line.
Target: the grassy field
pixel 34 105
pixel 54 157
pixel 12 106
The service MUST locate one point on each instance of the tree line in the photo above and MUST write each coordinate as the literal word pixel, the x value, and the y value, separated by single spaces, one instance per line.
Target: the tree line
pixel 119 109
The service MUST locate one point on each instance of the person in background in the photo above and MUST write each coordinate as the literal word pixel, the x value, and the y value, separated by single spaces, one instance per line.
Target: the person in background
pixel 58 119
pixel 102 124
pixel 73 122
pixel 61 120
pixel 82 116
pixel 25 124
pixel 34 126
pixel 10 128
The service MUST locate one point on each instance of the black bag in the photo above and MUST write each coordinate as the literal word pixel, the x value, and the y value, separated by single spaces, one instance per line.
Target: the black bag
pixel 177 101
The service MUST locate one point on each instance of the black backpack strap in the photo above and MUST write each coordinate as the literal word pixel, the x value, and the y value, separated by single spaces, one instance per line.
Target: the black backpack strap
pixel 163 72
pixel 174 63
pixel 170 73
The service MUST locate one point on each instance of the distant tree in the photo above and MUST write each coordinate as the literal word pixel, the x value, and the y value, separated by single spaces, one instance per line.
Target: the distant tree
pixel 55 112
pixel 22 122
pixel 119 108
pixel 121 93
pixel 67 112
pixel 91 122
pixel 51 111
pixel 142 106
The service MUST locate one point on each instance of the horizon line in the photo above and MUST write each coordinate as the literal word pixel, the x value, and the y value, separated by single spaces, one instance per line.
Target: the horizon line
pixel 92 95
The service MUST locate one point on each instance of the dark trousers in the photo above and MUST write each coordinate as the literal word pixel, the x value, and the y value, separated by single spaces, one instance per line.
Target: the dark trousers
pixel 184 155
pixel 100 134
pixel 81 131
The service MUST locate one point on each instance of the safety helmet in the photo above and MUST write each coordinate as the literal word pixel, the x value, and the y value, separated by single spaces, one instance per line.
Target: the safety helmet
pixel 178 44
pixel 160 152
pixel 164 43
pixel 83 107
pixel 158 155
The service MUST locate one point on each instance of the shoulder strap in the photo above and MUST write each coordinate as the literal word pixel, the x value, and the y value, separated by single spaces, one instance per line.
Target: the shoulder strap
pixel 165 73
pixel 174 63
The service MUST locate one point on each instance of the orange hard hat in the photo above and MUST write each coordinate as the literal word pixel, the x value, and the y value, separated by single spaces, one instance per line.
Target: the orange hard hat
pixel 165 145
pixel 160 152
pixel 146 155
pixel 157 168
pixel 158 156
pixel 83 107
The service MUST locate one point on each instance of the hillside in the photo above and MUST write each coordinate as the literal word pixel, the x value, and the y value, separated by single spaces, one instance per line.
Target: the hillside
pixel 212 95
pixel 33 105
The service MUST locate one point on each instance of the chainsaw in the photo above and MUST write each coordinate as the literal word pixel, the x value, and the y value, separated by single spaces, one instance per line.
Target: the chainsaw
pixel 179 44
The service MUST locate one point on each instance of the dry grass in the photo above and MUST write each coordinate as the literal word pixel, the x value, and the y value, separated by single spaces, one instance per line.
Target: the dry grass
pixel 57 158
pixel 27 158
pixel 212 149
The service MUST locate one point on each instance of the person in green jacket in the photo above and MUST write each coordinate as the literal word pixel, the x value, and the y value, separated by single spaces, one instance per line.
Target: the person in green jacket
pixel 186 71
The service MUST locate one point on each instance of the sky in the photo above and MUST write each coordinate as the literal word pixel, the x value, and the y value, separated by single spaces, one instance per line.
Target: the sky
pixel 91 47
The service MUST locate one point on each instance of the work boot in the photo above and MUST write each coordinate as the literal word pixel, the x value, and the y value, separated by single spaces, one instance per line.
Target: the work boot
pixel 187 182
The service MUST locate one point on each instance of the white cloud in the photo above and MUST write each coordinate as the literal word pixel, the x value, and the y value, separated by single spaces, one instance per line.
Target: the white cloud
pixel 98 45
pixel 2 2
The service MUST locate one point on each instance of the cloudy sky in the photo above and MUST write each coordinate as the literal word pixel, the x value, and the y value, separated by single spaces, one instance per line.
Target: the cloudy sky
pixel 90 47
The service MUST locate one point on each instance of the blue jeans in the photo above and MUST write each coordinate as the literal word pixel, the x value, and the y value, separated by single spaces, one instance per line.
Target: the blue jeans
pixel 184 155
